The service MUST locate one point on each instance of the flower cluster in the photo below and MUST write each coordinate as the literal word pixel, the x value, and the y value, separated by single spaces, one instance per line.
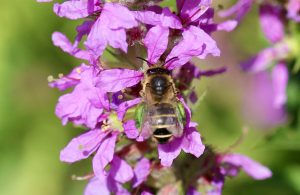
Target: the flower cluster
pixel 103 97
pixel 270 64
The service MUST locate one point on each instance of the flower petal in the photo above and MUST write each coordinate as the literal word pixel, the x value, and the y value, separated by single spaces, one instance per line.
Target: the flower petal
pixel 212 72
pixel 192 143
pixel 118 16
pixel 156 42
pixel 265 58
pixel 120 170
pixel 280 79
pixel 195 43
pixel 271 22
pixel 61 41
pixel 76 9
pixel 169 151
pixel 146 193
pixel 163 18
pixel 251 167
pixel 97 186
pixel 79 106
pixel 259 102
pixel 104 154
pixel 82 146
pixel 83 29
pixel 115 187
pixel 110 29
pixel 227 26
pixel 192 10
pixel 114 80
pixel 240 9
pixel 124 106
pixel 130 129
pixel 141 172
pixel 293 8
pixel 43 1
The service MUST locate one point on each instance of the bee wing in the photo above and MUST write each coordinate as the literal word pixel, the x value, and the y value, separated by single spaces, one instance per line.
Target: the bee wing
pixel 146 131
pixel 142 122
pixel 177 130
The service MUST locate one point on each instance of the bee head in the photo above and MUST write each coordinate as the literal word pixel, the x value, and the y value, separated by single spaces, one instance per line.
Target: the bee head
pixel 157 71
pixel 159 68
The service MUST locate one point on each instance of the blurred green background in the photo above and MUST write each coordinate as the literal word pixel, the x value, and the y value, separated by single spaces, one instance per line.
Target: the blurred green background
pixel 31 136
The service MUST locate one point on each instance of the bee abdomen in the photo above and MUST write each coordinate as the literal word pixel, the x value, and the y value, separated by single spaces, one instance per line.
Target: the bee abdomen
pixel 163 121
pixel 162 135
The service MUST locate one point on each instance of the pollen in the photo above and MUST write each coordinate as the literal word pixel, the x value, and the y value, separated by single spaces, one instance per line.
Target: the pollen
pixel 78 70
pixel 120 97
pixel 60 75
pixel 50 78
pixel 80 147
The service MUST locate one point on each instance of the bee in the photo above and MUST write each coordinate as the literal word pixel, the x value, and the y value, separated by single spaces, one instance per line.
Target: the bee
pixel 161 113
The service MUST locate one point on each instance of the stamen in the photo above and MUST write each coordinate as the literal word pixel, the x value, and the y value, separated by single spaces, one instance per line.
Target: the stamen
pixel 78 70
pixel 120 97
pixel 50 78
pixel 60 75
pixel 238 141
pixel 83 178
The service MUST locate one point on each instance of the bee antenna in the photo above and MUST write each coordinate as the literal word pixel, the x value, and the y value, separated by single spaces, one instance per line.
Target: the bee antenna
pixel 144 60
pixel 169 60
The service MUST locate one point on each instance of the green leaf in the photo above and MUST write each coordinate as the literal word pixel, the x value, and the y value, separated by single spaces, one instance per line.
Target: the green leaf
pixel 293 175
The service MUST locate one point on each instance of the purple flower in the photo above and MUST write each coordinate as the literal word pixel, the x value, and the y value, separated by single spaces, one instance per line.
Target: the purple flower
pixel 265 98
pixel 271 22
pixel 141 172
pixel 120 172
pixel 85 104
pixel 207 23
pixel 280 80
pixel 114 80
pixel 293 8
pixel 190 142
pixel 240 9
pixel 266 57
pixel 86 144
pixel 219 166
pixel 123 107
pixel 61 41
pixel 109 29
pixel 231 163
pixel 185 74
pixel 117 79
pixel 195 42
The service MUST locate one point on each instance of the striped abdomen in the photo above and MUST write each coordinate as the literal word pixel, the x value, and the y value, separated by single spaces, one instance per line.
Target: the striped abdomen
pixel 163 121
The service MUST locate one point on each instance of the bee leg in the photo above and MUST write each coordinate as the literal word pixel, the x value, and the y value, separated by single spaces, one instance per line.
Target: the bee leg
pixel 142 94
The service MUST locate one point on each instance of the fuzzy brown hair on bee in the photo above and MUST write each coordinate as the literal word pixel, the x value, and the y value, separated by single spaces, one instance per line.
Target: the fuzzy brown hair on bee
pixel 161 110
